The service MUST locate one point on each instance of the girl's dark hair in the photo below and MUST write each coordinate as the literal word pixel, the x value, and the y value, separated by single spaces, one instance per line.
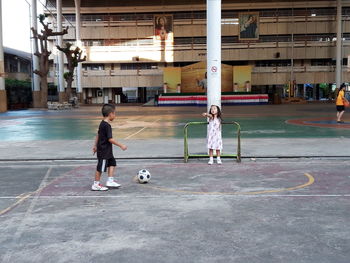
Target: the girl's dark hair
pixel 341 86
pixel 219 112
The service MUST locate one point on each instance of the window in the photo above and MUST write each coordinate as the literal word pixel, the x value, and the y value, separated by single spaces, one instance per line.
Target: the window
pixel 144 17
pixel 183 40
pixel 321 62
pixel 136 66
pixel 273 63
pixel 92 17
pixel 233 39
pixel 13 64
pixel 25 67
pixel 93 66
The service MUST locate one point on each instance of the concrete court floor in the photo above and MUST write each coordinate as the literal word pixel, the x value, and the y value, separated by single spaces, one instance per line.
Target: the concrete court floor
pixel 267 131
pixel 271 210
pixel 264 211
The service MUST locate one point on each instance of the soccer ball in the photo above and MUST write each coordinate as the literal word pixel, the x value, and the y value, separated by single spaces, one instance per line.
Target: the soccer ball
pixel 143 176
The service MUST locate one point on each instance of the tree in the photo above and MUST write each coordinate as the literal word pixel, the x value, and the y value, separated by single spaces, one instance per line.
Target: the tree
pixel 73 58
pixel 43 54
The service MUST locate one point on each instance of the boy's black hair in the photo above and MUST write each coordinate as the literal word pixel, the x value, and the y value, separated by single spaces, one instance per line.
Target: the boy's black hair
pixel 219 111
pixel 107 109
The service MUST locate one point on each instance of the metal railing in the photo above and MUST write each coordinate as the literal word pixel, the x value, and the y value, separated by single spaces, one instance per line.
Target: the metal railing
pixel 187 155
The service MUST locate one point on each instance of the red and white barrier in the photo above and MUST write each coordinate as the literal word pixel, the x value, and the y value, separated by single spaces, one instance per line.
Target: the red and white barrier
pixel 177 100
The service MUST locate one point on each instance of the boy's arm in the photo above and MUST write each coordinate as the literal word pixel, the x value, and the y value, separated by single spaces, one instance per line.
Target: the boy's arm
pixel 94 148
pixel 121 146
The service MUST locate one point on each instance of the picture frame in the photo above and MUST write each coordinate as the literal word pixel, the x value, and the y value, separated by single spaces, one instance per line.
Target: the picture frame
pixel 248 26
pixel 163 27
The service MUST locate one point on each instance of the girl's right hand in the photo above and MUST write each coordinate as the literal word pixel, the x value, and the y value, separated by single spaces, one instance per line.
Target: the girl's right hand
pixel 204 114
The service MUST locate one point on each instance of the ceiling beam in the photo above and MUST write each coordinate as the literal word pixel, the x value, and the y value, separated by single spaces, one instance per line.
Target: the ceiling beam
pixel 202 7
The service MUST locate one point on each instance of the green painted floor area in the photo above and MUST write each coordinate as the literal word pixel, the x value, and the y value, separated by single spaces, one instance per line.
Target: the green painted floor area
pixel 135 122
pixel 269 127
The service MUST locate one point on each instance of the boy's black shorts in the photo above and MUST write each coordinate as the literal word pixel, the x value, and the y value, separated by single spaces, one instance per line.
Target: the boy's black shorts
pixel 102 164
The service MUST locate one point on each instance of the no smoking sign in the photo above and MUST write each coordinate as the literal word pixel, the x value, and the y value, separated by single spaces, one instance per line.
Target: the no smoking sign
pixel 214 69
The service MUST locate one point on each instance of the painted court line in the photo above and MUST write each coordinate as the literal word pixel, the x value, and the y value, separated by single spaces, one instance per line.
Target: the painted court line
pixel 128 137
pixel 311 180
pixel 21 227
pixel 4 211
pixel 177 196
pixel 24 196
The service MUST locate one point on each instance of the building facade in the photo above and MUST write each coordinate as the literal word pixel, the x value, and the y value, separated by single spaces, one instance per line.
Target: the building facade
pixel 128 45
pixel 18 73
pixel 17 64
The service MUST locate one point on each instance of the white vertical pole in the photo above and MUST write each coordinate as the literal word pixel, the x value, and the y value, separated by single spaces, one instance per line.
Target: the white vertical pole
pixel 339 59
pixel 36 77
pixel 292 58
pixel 60 43
pixel 3 96
pixel 214 53
pixel 2 66
pixel 78 43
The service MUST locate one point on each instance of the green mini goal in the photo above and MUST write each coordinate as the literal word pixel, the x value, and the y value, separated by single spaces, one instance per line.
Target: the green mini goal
pixel 187 155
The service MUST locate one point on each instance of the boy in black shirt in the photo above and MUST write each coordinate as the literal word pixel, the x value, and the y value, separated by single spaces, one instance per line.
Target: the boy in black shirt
pixel 103 147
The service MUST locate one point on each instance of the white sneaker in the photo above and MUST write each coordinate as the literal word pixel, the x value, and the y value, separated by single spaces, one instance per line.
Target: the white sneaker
pixel 98 187
pixel 211 161
pixel 112 184
pixel 218 160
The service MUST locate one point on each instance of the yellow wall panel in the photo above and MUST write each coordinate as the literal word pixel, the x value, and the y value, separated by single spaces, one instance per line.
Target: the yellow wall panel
pixel 242 75
pixel 172 76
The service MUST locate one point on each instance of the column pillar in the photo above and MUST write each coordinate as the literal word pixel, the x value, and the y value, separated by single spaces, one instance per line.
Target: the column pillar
pixel 314 91
pixel 214 53
pixel 78 44
pixel 35 59
pixel 61 90
pixel 339 59
pixel 3 96
pixel 317 91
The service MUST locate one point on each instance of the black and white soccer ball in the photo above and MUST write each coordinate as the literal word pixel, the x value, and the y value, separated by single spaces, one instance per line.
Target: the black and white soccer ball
pixel 143 176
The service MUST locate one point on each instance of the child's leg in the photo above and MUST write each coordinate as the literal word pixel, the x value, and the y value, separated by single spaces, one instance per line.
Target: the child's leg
pixel 96 186
pixel 218 157
pixel 340 115
pixel 210 156
pixel 111 171
pixel 110 180
pixel 98 176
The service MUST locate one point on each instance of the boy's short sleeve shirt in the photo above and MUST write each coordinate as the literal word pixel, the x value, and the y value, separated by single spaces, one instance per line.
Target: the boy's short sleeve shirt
pixel 104 147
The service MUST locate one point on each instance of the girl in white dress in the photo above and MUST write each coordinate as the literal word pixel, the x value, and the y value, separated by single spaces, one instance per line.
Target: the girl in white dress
pixel 214 139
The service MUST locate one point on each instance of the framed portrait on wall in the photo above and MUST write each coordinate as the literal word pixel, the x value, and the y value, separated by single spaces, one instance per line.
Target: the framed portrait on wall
pixel 249 26
pixel 163 27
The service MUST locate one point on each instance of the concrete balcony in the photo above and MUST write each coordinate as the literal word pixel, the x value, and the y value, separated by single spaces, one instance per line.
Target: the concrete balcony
pixel 295 69
pixel 18 75
pixel 122 78
pixel 230 51
pixel 302 75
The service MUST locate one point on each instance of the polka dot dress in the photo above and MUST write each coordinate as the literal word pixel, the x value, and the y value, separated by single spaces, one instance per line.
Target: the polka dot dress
pixel 214 134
